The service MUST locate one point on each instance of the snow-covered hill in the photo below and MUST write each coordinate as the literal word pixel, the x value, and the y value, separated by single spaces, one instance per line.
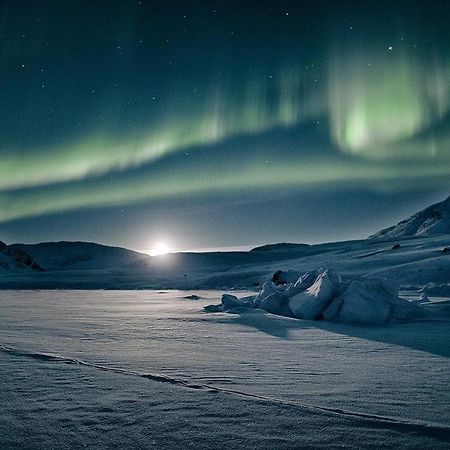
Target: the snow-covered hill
pixel 15 259
pixel 431 221
pixel 410 262
pixel 64 255
pixel 419 257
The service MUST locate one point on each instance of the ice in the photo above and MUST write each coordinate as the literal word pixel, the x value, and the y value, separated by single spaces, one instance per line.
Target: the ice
pixel 361 301
pixel 274 303
pixel 311 303
pixel 364 302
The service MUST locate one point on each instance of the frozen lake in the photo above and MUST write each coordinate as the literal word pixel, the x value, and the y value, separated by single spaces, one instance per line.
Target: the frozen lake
pixel 148 369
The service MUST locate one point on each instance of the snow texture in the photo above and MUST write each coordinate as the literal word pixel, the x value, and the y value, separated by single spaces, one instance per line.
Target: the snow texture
pixel 149 369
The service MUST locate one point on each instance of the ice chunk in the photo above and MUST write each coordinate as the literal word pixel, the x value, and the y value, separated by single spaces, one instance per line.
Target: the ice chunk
pixel 311 303
pixel 231 301
pixel 303 283
pixel 274 303
pixel 371 302
pixel 360 303
pixel 269 288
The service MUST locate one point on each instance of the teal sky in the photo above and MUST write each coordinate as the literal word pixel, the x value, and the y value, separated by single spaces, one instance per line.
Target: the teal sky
pixel 220 124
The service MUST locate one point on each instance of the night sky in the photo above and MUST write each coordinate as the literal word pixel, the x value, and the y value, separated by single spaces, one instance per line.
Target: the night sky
pixel 211 124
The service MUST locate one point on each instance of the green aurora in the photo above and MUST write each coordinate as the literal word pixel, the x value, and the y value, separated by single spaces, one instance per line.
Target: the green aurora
pixel 381 104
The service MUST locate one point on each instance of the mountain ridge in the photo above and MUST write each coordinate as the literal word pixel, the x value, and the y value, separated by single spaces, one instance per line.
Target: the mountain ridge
pixel 430 221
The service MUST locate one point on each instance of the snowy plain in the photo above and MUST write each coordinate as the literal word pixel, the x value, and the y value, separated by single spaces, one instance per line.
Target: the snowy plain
pixel 151 369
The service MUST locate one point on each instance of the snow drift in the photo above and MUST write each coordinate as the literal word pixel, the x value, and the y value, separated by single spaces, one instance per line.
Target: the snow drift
pixel 322 295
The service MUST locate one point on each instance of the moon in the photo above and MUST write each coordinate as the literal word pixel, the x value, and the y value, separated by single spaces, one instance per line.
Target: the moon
pixel 160 248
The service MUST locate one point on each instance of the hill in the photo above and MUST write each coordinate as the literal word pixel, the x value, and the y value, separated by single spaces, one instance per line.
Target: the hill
pixel 430 221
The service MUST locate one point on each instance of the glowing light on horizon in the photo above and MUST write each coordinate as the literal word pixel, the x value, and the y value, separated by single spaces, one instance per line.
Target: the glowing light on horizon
pixel 160 249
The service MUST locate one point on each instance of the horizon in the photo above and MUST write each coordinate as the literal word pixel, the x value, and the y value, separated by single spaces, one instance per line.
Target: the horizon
pixel 168 249
pixel 164 248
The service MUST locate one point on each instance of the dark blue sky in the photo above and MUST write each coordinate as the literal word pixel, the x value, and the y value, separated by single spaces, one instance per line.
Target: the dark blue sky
pixel 220 124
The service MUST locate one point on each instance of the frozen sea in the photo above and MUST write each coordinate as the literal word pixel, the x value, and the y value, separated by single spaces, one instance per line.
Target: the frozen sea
pixel 151 369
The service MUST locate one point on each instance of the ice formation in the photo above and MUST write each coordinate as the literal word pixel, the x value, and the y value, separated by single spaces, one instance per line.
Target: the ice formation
pixel 323 295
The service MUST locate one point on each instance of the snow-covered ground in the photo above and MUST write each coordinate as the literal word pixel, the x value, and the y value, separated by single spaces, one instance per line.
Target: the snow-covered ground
pixel 150 369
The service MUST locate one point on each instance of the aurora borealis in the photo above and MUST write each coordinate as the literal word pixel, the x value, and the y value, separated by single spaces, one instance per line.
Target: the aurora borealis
pixel 137 111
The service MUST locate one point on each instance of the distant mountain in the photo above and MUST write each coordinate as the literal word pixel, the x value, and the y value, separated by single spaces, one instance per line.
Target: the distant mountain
pixel 283 246
pixel 15 259
pixel 431 221
pixel 78 255
pixel 83 265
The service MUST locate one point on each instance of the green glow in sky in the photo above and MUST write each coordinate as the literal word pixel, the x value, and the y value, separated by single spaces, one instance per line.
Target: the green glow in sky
pixel 360 100
pixel 230 177
pixel 377 100
pixel 260 105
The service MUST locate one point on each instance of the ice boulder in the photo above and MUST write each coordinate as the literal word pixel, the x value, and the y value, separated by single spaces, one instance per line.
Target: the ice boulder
pixel 274 303
pixel 371 302
pixel 303 283
pixel 361 303
pixel 270 288
pixel 231 301
pixel 274 298
pixel 322 295
pixel 311 303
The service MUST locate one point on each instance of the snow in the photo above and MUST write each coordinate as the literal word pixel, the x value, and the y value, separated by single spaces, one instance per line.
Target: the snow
pixel 417 262
pixel 317 351
pixel 149 369
pixel 16 260
pixel 61 256
pixel 431 221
